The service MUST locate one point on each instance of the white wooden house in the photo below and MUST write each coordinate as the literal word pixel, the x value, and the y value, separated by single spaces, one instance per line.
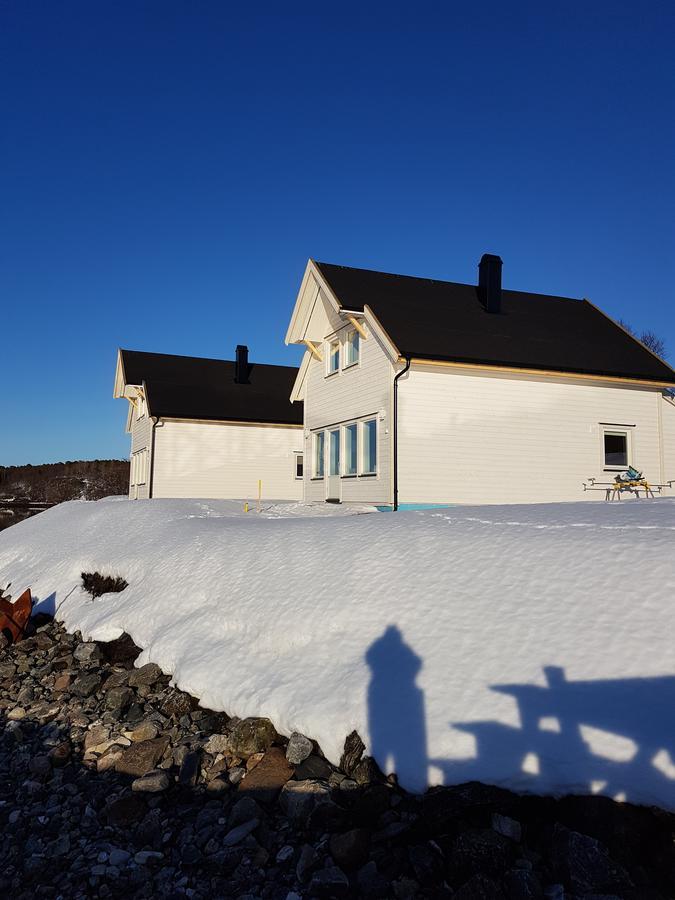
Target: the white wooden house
pixel 418 391
pixel 210 428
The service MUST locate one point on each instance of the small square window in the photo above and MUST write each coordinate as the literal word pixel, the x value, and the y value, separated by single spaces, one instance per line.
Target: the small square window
pixel 299 467
pixel 352 348
pixel 333 357
pixel 616 449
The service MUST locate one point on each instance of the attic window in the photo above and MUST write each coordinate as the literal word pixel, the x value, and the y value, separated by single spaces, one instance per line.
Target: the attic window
pixel 333 357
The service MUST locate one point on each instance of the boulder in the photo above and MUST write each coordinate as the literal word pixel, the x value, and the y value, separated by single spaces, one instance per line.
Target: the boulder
pixel 298 749
pixel 141 757
pixel 249 736
pixel 299 798
pixel 268 777
pixel 147 675
pixel 350 849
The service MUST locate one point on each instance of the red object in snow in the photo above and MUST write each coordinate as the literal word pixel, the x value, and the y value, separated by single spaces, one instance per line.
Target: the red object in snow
pixel 15 616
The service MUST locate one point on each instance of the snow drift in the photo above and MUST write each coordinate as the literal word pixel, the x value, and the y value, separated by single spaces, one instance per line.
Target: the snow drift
pixel 527 646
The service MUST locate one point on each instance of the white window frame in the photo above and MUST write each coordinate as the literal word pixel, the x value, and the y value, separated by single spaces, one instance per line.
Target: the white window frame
pixel 345 429
pixel 139 467
pixel 330 345
pixel 618 431
pixel 298 456
pixel 362 467
pixel 348 343
pixel 332 441
pixel 316 457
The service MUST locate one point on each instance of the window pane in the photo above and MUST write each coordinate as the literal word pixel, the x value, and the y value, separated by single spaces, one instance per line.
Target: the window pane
pixel 352 348
pixel 334 451
pixel 616 449
pixel 334 357
pixel 370 446
pixel 298 465
pixel 350 450
pixel 318 454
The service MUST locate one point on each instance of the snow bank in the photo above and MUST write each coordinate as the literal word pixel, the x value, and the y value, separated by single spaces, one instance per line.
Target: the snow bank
pixel 526 646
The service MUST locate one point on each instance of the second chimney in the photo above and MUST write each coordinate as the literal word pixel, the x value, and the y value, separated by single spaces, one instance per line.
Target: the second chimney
pixel 241 364
pixel 490 282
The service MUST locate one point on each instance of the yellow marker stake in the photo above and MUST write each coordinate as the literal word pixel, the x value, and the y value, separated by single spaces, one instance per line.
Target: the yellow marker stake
pixel 245 507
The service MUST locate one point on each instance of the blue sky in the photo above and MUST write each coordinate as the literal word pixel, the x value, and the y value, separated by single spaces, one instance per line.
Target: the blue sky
pixel 167 168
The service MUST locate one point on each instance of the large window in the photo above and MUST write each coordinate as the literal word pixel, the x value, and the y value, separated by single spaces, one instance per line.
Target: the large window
pixel 139 467
pixel 350 449
pixel 333 357
pixel 616 449
pixel 369 447
pixel 351 348
pixel 319 448
pixel 334 452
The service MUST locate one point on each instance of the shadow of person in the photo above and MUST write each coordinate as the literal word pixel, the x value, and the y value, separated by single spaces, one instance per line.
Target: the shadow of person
pixel 396 713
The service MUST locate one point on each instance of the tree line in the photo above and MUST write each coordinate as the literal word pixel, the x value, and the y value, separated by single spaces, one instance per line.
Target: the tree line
pixel 73 480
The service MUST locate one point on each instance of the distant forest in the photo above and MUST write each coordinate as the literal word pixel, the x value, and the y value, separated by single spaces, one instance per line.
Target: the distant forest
pixel 56 482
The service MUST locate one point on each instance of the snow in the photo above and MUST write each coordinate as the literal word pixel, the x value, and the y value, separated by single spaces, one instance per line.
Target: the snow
pixel 526 646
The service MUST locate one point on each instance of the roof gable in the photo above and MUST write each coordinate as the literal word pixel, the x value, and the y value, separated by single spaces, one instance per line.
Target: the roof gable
pixel 190 387
pixel 429 319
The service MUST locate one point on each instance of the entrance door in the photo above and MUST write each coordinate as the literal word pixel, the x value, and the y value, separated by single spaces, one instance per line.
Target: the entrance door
pixel 333 480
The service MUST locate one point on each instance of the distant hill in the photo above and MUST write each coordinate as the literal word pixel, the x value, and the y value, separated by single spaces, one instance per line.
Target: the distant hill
pixel 55 482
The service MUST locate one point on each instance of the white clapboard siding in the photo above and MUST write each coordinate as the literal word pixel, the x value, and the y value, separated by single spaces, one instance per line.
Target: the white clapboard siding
pixel 668 424
pixel 141 439
pixel 360 391
pixel 208 460
pixel 482 438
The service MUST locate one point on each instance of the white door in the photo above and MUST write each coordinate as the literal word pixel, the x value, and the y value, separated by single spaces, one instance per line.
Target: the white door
pixel 333 480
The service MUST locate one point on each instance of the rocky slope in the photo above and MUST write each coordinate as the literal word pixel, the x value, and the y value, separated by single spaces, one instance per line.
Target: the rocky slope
pixel 113 783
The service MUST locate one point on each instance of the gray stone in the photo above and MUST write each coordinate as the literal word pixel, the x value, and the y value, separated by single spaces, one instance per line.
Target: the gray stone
pixel 350 849
pixel 331 882
pixel 143 857
pixel 299 798
pixel 146 675
pixel 40 766
pixel 85 685
pixel 118 857
pixel 236 835
pixel 119 698
pixel 87 652
pixel 585 864
pixel 298 749
pixel 307 863
pixel 506 826
pixel 217 743
pixel 243 811
pixel 145 731
pixel 151 783
pixel 142 757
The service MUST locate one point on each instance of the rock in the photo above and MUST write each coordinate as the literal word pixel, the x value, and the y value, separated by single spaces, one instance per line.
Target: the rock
pixel 140 758
pixel 299 798
pixel 60 755
pixel 585 864
pixel 145 731
pixel 110 760
pixel 298 749
pixel 480 850
pixel 147 675
pixel 118 699
pixel 249 736
pixel 16 714
pixel 178 704
pixel 189 770
pixel 427 863
pixel 86 685
pixel 118 857
pixel 217 743
pixel 144 857
pixel 520 884
pixel 62 683
pixel 371 883
pixel 125 811
pixel 96 735
pixel 313 767
pixel 507 827
pixel 405 888
pixel 285 854
pixel 350 849
pixel 40 766
pixel 480 887
pixel 330 882
pixel 244 810
pixel 151 783
pixel 308 861
pixel 268 777
pixel 236 835
pixel 87 652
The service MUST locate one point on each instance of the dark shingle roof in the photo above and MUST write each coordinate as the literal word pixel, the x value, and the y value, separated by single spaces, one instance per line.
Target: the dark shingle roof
pixel 189 387
pixel 443 320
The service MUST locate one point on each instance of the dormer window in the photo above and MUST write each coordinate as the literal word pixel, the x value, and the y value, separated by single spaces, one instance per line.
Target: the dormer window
pixel 352 346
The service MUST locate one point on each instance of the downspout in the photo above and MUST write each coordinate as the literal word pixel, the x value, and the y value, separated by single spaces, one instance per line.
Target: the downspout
pixel 154 421
pixel 396 378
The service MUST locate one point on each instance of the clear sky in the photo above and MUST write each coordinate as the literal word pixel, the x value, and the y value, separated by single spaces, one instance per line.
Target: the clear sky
pixel 166 169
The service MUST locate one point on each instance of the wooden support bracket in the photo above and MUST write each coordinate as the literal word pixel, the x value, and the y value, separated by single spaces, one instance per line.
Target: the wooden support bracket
pixel 313 349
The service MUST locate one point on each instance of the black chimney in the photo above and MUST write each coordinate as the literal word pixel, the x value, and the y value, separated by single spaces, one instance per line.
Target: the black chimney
pixel 490 282
pixel 241 365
